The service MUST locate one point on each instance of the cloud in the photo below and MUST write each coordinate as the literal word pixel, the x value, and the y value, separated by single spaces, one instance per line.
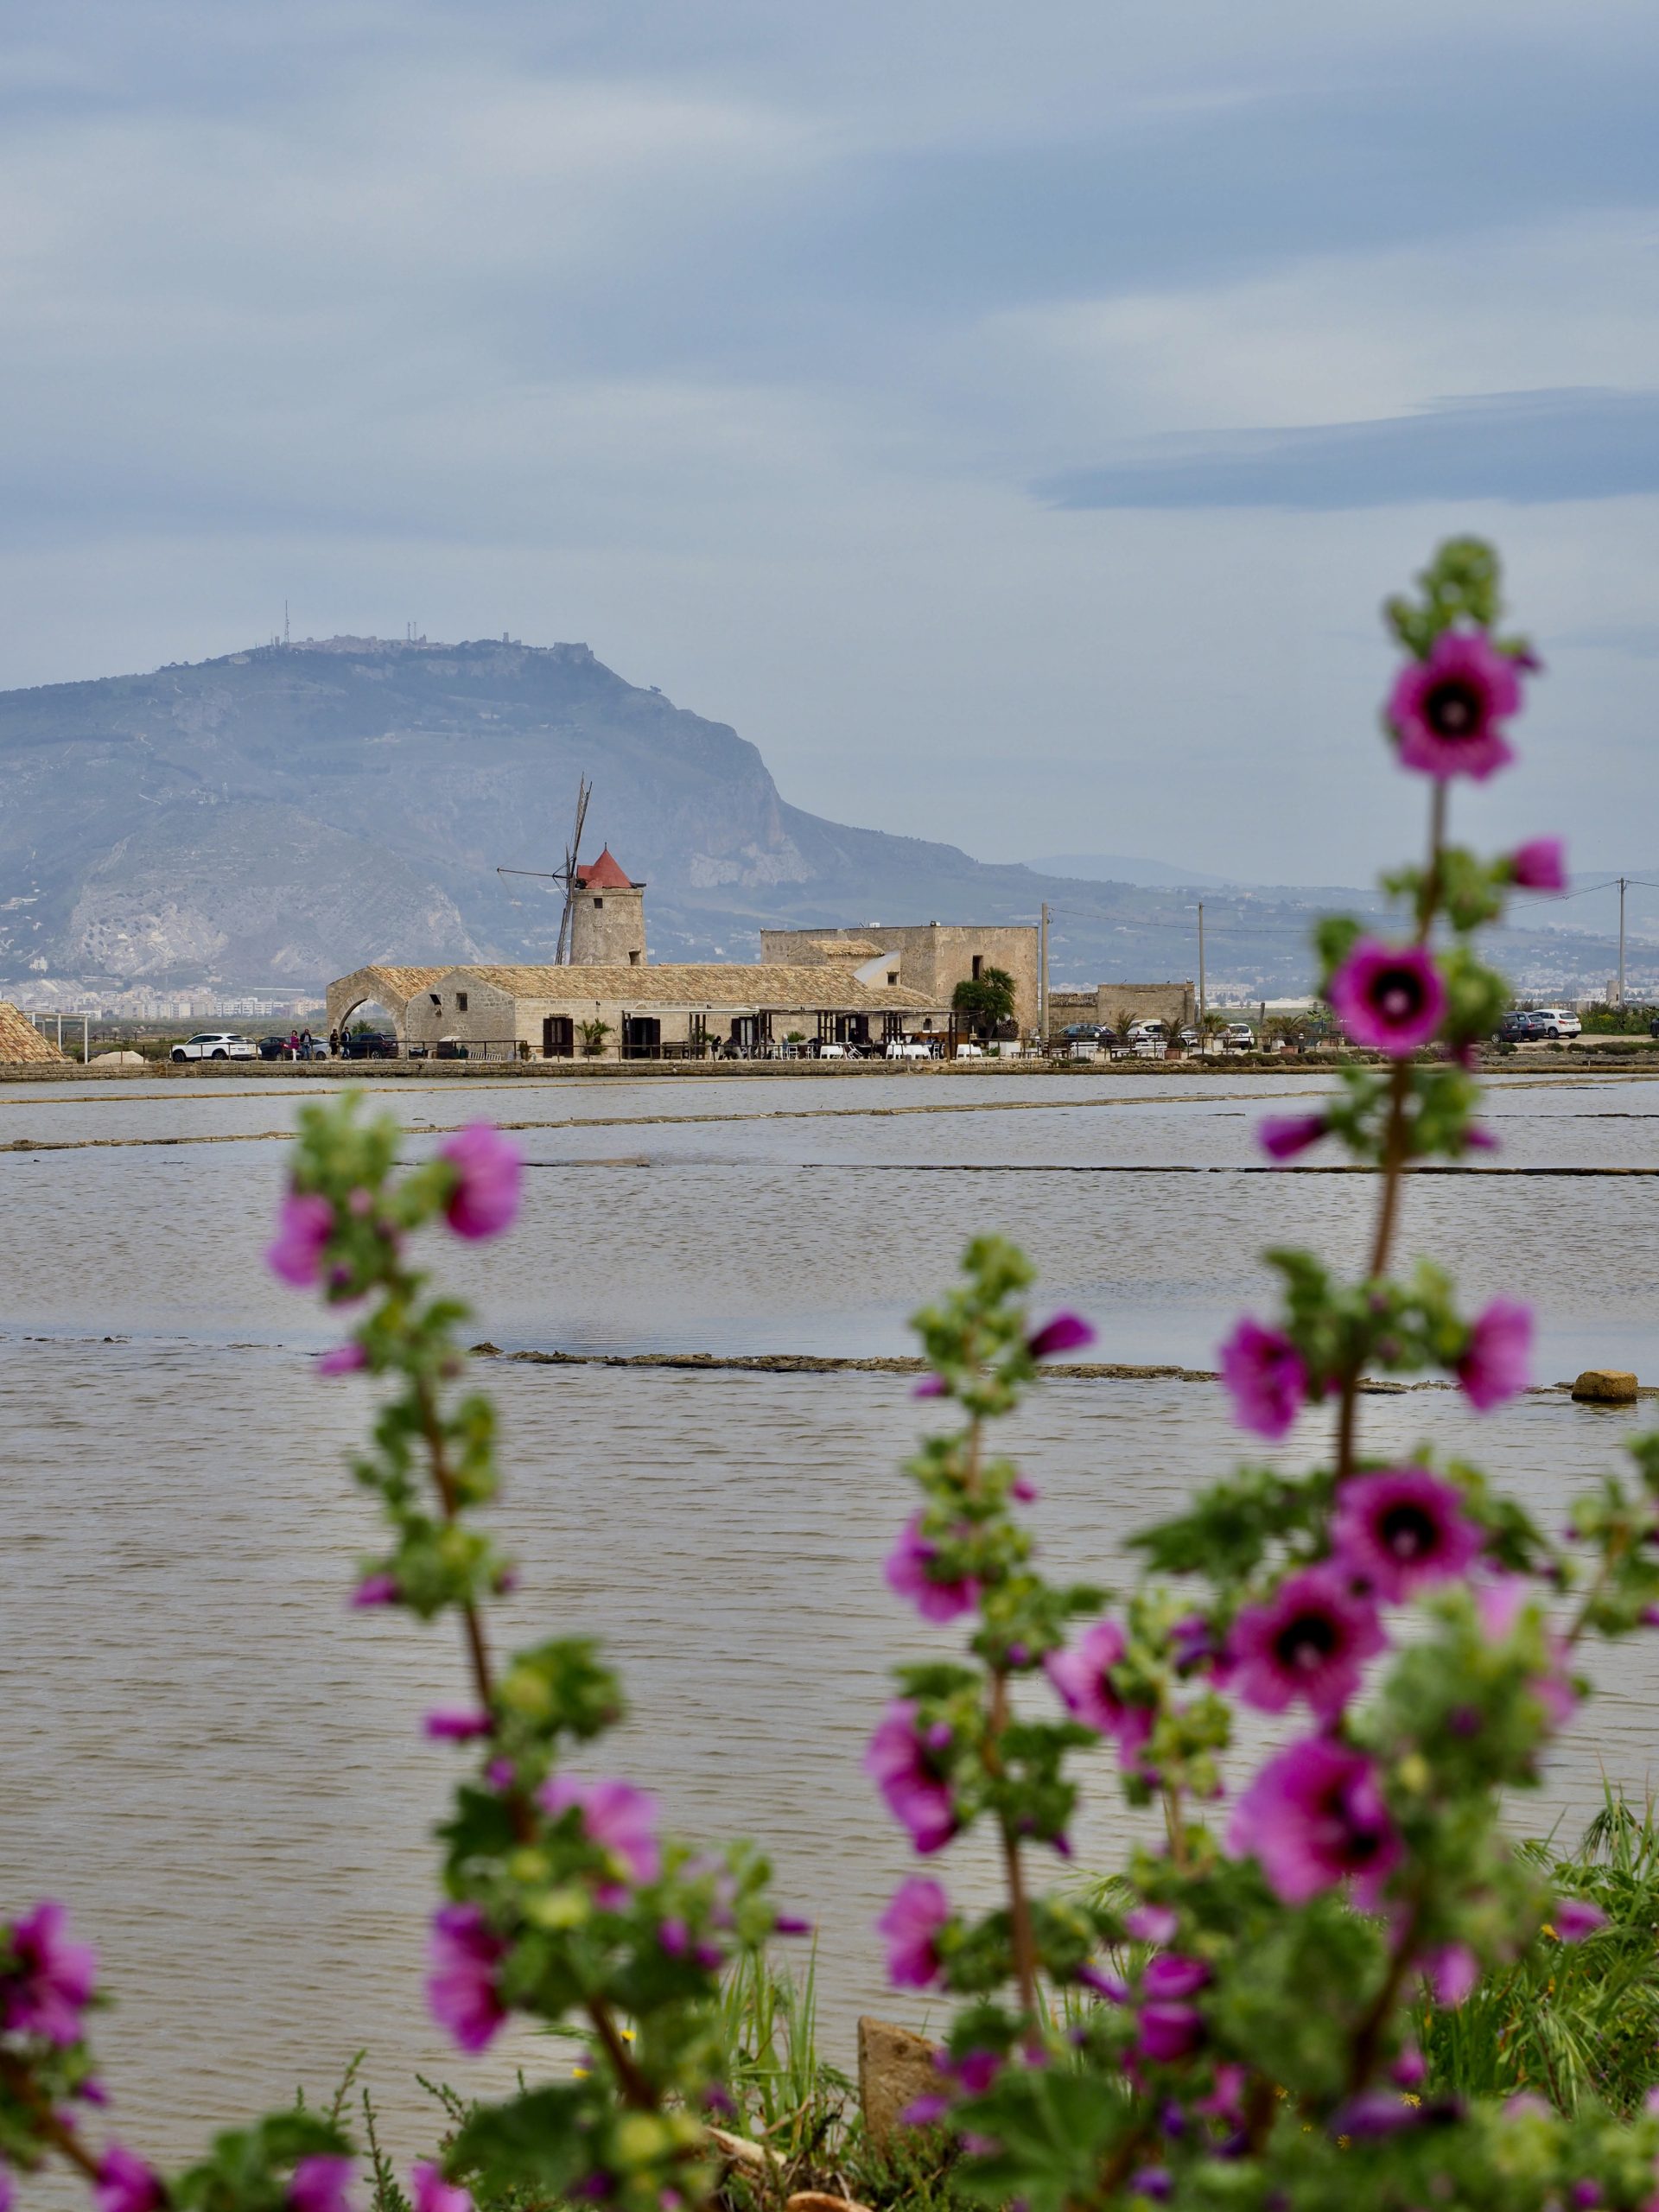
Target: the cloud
pixel 1528 448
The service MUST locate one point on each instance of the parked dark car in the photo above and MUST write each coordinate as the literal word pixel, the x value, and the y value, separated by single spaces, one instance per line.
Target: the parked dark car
pixel 1519 1029
pixel 368 1045
pixel 272 1048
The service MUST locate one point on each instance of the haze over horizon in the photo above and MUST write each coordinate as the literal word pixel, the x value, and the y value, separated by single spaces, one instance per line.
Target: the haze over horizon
pixel 1011 429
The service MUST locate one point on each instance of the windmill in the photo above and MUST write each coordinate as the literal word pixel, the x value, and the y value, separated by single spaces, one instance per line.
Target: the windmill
pixel 567 876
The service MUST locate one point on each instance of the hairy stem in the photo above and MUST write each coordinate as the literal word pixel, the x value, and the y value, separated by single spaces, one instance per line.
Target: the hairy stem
pixel 19 2082
pixel 1024 1945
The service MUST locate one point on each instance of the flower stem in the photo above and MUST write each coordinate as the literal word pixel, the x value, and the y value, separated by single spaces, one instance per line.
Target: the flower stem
pixel 1024 1946
pixel 16 2080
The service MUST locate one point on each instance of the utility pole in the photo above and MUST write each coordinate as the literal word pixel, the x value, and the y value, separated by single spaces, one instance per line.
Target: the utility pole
pixel 1204 1042
pixel 1622 880
pixel 1042 979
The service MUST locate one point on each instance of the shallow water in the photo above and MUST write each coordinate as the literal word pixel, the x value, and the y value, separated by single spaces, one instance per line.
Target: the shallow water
pixel 221 1768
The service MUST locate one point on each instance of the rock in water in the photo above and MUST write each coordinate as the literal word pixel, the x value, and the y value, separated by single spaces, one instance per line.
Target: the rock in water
pixel 1606 1386
pixel 895 2069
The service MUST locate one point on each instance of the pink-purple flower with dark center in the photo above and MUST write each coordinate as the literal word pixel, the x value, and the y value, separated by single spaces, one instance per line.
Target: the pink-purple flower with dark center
pixel 47 1982
pixel 1266 1377
pixel 304 1225
pixel 1539 865
pixel 126 2183
pixel 378 1589
pixel 320 2184
pixel 1168 2032
pixel 1452 1973
pixel 975 2071
pixel 1172 1976
pixel 465 1955
pixel 431 2193
pixel 909 1575
pixel 1111 1987
pixel 1314 1816
pixel 1399 1529
pixel 446 1727
pixel 344 1359
pixel 1574 1918
pixel 1448 711
pixel 483 1197
pixel 903 1761
pixel 1082 1675
pixel 1496 1362
pixel 1310 1639
pixel 911 1923
pixel 1282 1136
pixel 1065 1332
pixel 1391 997
pixel 619 1818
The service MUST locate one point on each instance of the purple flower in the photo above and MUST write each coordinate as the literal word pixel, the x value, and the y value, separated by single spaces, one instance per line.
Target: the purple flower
pixel 1576 1917
pixel 1314 1816
pixel 1399 1529
pixel 1264 1372
pixel 931 1385
pixel 460 1989
pixel 380 1589
pixel 1539 865
pixel 1452 1973
pixel 975 2071
pixel 1172 1976
pixel 344 1359
pixel 126 2183
pixel 433 2194
pixel 1309 1640
pixel 907 1574
pixel 483 1197
pixel 1282 1136
pixel 1477 1139
pixel 1065 1332
pixel 1410 2069
pixel 1155 2182
pixel 904 1767
pixel 1495 1362
pixel 47 1982
pixel 1082 1675
pixel 1388 996
pixel 790 1923
pixel 1024 1490
pixel 1169 2032
pixel 919 1909
pixel 1153 1923
pixel 1111 1987
pixel 926 2111
pixel 619 1818
pixel 7 2195
pixel 1194 1644
pixel 320 2184
pixel 457 1727
pixel 304 1225
pixel 1448 710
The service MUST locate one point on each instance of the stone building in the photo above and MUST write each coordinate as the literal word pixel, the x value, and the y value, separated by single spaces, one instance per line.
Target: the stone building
pixel 607 916
pixel 1117 1005
pixel 931 957
pixel 689 1009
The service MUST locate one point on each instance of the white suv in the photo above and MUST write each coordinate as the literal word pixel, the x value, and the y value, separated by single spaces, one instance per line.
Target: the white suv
pixel 1557 1022
pixel 214 1044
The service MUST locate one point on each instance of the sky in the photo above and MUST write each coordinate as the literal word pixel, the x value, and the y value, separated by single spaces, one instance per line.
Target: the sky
pixel 1010 419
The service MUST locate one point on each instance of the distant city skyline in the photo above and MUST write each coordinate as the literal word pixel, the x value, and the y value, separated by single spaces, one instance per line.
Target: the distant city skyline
pixel 1009 424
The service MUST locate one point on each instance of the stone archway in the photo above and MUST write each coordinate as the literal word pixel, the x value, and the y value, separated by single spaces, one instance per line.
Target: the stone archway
pixel 391 987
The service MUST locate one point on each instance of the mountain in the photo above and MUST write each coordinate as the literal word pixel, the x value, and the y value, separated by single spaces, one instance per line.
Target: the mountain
pixel 1119 867
pixel 283 815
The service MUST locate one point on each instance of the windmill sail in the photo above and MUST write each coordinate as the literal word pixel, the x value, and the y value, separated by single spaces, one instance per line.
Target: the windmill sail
pixel 569 875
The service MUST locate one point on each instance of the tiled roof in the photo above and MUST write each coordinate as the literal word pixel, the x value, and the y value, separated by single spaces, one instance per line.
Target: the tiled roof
pixel 606 874
pixel 20 1040
pixel 846 948
pixel 698 984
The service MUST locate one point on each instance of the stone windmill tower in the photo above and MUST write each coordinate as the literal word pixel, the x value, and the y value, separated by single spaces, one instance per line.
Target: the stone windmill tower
pixel 607 916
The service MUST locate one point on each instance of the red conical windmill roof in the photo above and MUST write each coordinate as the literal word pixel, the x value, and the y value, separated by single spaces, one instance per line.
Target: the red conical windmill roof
pixel 606 874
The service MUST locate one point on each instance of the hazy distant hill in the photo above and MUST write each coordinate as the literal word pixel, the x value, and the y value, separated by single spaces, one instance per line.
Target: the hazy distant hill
pixel 1121 867
pixel 283 814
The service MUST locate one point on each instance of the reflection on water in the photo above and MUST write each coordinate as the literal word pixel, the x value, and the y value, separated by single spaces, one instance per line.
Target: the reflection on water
pixel 222 1768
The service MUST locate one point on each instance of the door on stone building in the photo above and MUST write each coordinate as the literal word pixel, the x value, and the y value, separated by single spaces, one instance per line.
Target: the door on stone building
pixel 642 1036
pixel 558 1037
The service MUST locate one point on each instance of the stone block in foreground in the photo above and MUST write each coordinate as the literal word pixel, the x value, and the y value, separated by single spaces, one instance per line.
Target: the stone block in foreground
pixel 895 2069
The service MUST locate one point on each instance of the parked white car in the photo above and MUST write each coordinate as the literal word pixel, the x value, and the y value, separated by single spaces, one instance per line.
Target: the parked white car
pixel 214 1044
pixel 1557 1022
pixel 1239 1037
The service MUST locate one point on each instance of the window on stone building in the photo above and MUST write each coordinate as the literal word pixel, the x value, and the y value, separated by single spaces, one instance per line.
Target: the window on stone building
pixel 892 975
pixel 633 960
pixel 598 903
pixel 979 961
pixel 461 1001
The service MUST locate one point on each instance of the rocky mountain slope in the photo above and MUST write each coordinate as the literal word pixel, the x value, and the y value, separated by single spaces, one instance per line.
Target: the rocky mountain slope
pixel 283 815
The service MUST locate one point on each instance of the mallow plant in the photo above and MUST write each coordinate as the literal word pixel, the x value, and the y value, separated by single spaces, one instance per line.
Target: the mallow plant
pixel 1232 2020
